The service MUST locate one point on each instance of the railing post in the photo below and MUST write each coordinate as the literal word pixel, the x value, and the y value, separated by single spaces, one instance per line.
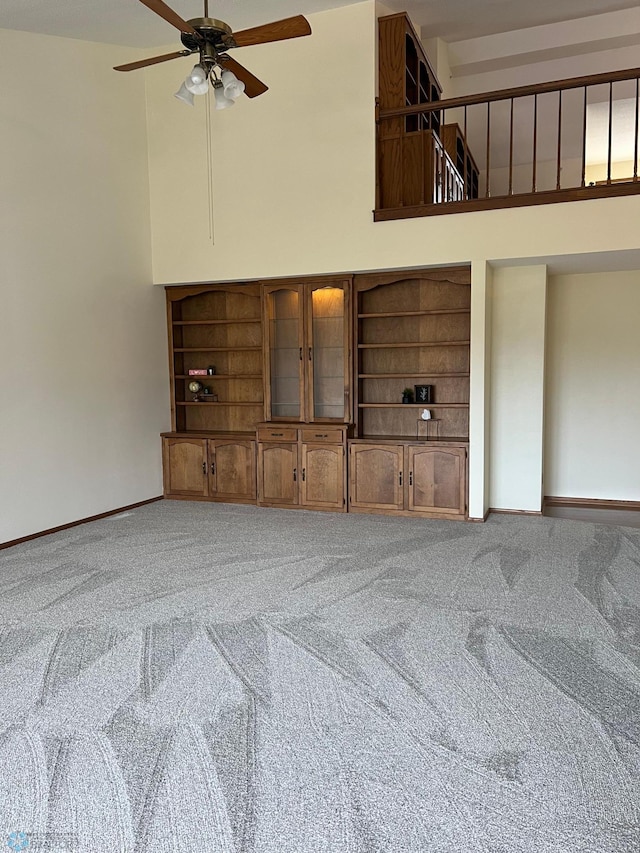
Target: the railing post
pixel 511 150
pixel 584 138
pixel 635 146
pixel 535 142
pixel 609 141
pixel 487 188
pixel 559 165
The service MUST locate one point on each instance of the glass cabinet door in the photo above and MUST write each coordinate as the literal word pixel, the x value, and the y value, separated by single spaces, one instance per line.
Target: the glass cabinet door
pixel 326 348
pixel 284 334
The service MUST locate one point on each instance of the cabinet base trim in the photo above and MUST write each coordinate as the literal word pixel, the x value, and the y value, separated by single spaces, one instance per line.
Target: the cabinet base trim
pixel 89 518
pixel 211 500
pixel 434 516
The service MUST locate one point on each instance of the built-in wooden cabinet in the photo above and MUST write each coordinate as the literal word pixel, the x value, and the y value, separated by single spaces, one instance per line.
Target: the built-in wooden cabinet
pixel 222 468
pixel 412 328
pixel 407 478
pixel 300 371
pixel 420 160
pixel 303 467
pixel 306 350
pixel 217 328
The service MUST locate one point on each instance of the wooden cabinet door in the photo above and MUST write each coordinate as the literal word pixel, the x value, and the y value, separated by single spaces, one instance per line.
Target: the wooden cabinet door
pixel 326 352
pixel 278 473
pixel 284 352
pixel 322 478
pixel 232 469
pixel 436 480
pixel 375 479
pixel 185 467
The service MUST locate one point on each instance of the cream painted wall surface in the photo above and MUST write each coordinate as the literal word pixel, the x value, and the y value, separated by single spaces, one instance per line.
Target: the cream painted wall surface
pixel 294 177
pixel 518 308
pixel 84 378
pixel 593 376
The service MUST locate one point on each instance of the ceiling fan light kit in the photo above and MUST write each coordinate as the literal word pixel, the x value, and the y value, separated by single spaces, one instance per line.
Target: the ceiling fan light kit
pixel 184 95
pixel 211 39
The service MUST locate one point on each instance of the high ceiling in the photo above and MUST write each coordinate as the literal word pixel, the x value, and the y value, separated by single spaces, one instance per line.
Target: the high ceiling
pixel 128 22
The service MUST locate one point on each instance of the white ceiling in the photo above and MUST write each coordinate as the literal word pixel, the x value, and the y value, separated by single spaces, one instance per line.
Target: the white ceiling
pixel 128 22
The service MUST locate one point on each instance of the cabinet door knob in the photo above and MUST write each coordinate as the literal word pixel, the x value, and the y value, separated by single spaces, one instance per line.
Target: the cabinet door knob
pixel 309 353
pixel 204 467
pixel 400 478
pixel 411 478
pixel 304 474
pixel 295 474
pixel 213 467
pixel 300 353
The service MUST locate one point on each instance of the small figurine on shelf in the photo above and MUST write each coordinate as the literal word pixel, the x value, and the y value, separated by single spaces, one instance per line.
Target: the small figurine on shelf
pixel 211 371
pixel 407 395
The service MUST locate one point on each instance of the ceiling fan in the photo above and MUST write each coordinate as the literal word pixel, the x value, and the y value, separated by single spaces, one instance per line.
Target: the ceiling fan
pixel 211 39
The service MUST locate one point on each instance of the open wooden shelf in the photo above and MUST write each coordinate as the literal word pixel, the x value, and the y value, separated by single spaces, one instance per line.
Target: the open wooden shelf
pixel 415 345
pixel 217 349
pixel 216 322
pixel 416 313
pixel 410 375
pixel 219 403
pixel 413 405
pixel 210 377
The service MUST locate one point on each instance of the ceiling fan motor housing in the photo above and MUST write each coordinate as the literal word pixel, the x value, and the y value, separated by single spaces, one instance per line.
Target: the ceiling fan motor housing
pixel 215 33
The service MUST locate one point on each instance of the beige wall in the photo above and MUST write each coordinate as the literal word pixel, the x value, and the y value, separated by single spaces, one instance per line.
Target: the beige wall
pixel 294 177
pixel 593 377
pixel 82 344
pixel 518 309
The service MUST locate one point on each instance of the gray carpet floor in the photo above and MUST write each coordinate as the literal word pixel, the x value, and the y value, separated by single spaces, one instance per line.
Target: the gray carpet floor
pixel 197 677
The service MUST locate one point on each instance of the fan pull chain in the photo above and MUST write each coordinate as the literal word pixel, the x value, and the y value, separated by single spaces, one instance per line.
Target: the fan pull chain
pixel 210 168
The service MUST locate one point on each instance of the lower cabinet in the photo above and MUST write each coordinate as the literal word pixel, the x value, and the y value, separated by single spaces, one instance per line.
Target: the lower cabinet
pixel 408 479
pixel 309 472
pixel 306 468
pixel 278 474
pixel 221 469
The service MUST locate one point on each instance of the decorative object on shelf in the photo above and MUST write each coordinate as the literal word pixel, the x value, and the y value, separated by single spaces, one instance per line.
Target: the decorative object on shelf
pixel 195 387
pixel 425 414
pixel 208 397
pixel 211 371
pixel 211 39
pixel 197 372
pixel 424 393
pixel 407 395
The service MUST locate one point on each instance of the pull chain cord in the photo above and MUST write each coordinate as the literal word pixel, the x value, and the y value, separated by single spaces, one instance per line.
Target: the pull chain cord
pixel 210 168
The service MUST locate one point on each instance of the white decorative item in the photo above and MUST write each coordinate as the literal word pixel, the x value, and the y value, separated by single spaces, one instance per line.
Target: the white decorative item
pixel 425 415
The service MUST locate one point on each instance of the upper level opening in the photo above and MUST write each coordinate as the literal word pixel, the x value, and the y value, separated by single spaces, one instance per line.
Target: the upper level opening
pixel 566 140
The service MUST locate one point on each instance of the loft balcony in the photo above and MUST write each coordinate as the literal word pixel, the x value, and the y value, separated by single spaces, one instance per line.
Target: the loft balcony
pixel 560 141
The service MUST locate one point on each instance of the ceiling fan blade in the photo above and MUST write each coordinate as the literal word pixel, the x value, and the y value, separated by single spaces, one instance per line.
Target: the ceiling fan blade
pixel 142 63
pixel 289 28
pixel 253 86
pixel 172 17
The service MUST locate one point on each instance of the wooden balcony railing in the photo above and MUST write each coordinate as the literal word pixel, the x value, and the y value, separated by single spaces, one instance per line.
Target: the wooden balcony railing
pixel 562 141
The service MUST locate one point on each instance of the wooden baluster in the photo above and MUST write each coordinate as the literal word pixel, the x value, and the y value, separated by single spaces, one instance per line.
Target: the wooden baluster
pixel 635 146
pixel 443 174
pixel 535 142
pixel 584 138
pixel 465 193
pixel 487 189
pixel 609 141
pixel 511 150
pixel 559 140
